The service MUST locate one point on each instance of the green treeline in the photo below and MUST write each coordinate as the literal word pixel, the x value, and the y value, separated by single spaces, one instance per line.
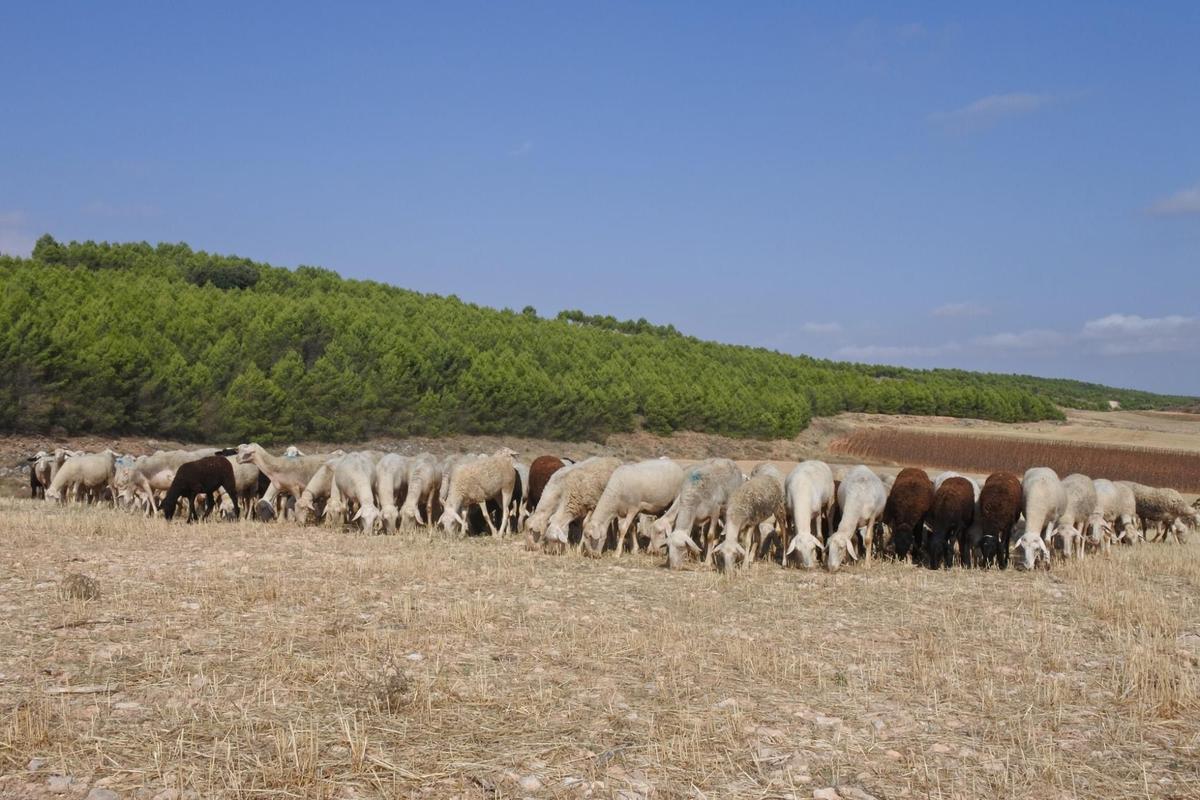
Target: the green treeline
pixel 163 340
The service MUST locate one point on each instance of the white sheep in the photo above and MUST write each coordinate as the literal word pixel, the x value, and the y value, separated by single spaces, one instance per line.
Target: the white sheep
pixel 861 497
pixel 1161 508
pixel 1044 501
pixel 1115 514
pixel 578 492
pixel 474 483
pixel 319 490
pixel 810 498
pixel 424 483
pixel 1080 503
pixel 288 474
pixel 535 524
pixel 391 478
pixel 354 477
pixel 703 493
pixel 645 487
pixel 88 473
pixel 757 500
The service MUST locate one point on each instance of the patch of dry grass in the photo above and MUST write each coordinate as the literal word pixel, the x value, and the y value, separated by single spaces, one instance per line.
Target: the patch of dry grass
pixel 253 661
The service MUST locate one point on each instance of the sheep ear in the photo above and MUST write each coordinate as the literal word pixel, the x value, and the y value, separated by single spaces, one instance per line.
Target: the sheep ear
pixel 850 551
pixel 691 545
pixel 791 548
pixel 820 545
pixel 357 515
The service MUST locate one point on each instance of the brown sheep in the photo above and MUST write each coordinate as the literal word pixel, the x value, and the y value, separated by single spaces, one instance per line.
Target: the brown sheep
pixel 950 518
pixel 1000 504
pixel 202 476
pixel 907 505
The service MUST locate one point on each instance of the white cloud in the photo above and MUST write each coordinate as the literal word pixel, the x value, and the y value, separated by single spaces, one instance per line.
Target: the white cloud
pixel 523 149
pixel 1128 334
pixel 1185 201
pixel 1113 335
pixel 822 328
pixel 991 110
pixel 15 237
pixel 1037 339
pixel 961 310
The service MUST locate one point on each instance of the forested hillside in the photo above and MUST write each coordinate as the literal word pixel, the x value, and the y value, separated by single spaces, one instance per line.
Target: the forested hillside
pixel 164 340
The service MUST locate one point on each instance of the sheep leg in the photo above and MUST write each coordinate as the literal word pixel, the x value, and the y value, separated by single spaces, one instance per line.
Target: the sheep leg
pixel 622 530
pixel 505 499
pixel 486 518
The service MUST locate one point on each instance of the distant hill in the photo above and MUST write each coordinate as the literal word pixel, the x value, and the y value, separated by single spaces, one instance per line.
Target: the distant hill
pixel 164 340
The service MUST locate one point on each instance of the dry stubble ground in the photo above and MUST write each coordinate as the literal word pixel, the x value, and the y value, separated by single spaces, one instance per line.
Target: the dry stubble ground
pixel 254 661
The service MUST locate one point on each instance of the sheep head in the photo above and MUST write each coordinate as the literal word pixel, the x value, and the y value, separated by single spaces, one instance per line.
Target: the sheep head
pixel 1032 549
pixel 245 452
pixel 837 548
pixel 555 540
pixel 389 514
pixel 727 554
pixel 593 538
pixel 678 543
pixel 805 545
pixel 369 517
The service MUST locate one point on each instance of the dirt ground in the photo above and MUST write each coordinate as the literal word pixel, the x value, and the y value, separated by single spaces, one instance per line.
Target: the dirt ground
pixel 244 660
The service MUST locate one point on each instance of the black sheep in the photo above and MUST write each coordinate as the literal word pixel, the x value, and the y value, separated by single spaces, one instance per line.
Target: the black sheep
pixel 1000 504
pixel 950 517
pixel 908 503
pixel 202 476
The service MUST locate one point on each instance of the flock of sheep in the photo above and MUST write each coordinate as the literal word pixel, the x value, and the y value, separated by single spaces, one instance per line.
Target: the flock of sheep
pixel 709 511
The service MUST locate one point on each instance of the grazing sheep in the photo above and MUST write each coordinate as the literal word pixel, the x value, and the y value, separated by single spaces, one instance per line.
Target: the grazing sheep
pixel 861 500
pixel 474 483
pixel 202 476
pixel 647 487
pixel 247 478
pixel 810 497
pixel 1081 502
pixel 535 524
pixel 150 475
pixel 1114 516
pixel 353 479
pixel 579 491
pixel 703 493
pixel 391 479
pixel 999 508
pixel 1158 507
pixel 539 475
pixel 1044 499
pixel 908 503
pixel 87 473
pixel 289 474
pixel 314 500
pixel 758 499
pixel 950 519
pixel 424 482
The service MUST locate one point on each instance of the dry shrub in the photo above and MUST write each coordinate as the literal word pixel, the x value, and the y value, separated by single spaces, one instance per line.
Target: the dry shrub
pixel 980 453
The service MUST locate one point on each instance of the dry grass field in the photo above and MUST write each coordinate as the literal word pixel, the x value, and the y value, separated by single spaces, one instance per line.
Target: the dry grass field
pixel 266 661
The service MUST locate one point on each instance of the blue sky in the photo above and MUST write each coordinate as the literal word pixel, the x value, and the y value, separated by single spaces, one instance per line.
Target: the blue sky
pixel 928 185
